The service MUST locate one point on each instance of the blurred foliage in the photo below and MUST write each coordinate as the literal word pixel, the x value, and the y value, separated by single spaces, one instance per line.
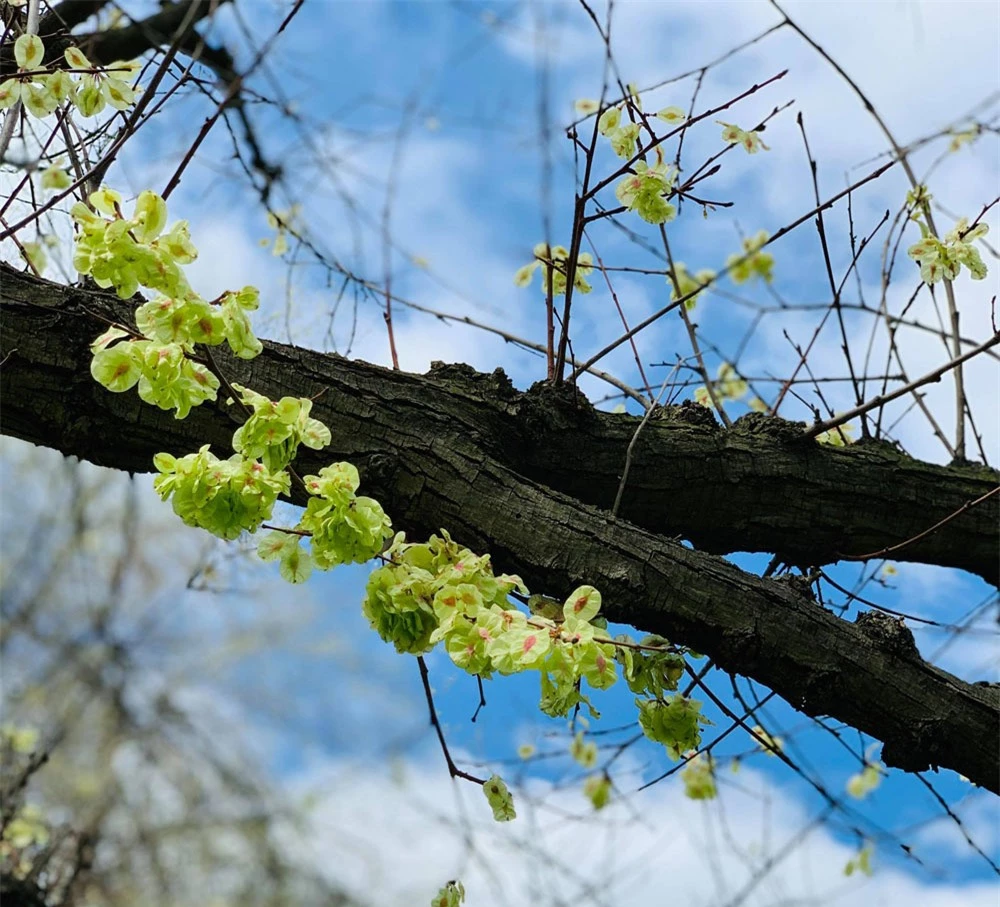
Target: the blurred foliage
pixel 126 775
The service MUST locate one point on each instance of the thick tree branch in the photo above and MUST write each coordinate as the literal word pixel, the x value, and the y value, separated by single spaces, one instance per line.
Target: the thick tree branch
pixel 757 487
pixel 158 30
pixel 470 453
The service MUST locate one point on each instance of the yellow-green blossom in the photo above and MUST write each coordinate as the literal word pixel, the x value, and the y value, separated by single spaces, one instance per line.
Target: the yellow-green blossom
pixel 860 862
pixel 624 140
pixel 583 752
pixel 597 789
pixel 646 191
pixel 672 115
pixel 699 778
pixel 552 260
pixel 770 745
pixel 749 139
pixel 730 386
pixel 840 436
pixel 963 137
pixel 452 895
pixel 688 284
pixel 860 785
pixel 753 262
pixel 942 259
pixel 34 254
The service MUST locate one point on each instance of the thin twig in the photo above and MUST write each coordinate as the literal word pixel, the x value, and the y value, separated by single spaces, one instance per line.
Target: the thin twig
pixel 968 505
pixel 453 769
pixel 635 438
pixel 882 399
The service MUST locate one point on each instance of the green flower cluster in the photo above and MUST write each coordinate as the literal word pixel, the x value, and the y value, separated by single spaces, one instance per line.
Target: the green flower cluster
pixel 861 861
pixel 690 285
pixel 584 752
pixel 653 669
pixel 729 386
pixel 294 563
pixel 425 591
pixel 699 778
pixel 578 655
pixel 499 798
pixel 276 429
pixel 42 90
pixel 223 497
pixel 861 784
pixel 166 377
pixel 126 253
pixel 441 592
pixel 623 137
pixel 675 722
pixel 452 895
pixel 752 262
pixel 597 789
pixel 188 319
pixel 646 190
pixel 342 527
pixel 749 138
pixel 553 261
pixel 943 259
pixel 345 529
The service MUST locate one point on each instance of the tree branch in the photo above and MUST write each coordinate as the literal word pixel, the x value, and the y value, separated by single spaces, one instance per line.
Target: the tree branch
pixel 105 46
pixel 760 486
pixel 468 452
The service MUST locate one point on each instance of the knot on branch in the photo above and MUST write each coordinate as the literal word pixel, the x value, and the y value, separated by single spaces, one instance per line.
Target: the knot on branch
pixel 888 633
pixel 546 406
pixel 800 583
pixel 761 425
pixel 493 386
pixel 687 413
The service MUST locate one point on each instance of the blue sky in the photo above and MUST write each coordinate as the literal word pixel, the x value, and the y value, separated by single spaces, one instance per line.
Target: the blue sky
pixel 470 185
pixel 480 168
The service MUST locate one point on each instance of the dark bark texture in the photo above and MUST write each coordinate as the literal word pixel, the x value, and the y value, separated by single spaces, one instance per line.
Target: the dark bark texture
pixel 530 477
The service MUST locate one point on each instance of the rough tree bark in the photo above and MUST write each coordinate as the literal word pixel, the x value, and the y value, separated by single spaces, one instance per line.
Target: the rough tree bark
pixel 529 477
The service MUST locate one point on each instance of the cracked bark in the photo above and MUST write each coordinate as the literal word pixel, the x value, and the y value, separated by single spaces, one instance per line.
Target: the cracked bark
pixel 524 476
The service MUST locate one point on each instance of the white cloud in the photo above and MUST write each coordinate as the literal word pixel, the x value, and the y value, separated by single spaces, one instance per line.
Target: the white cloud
pixel 978 816
pixel 903 57
pixel 397 844
pixel 396 838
